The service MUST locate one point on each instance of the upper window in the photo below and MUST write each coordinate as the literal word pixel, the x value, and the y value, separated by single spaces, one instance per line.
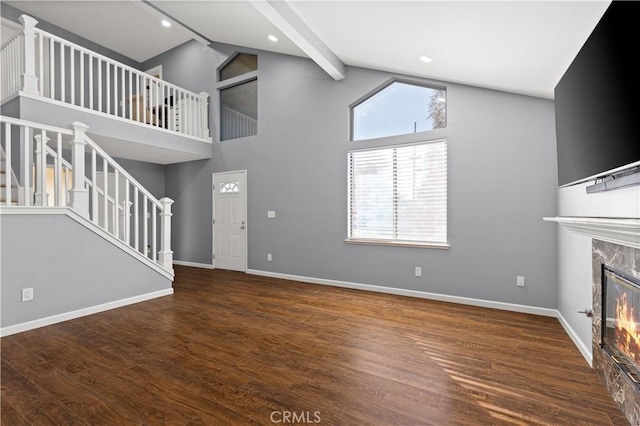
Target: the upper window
pixel 398 195
pixel 239 97
pixel 242 63
pixel 398 109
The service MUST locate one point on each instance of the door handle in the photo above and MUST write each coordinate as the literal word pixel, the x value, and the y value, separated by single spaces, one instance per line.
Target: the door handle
pixel 242 226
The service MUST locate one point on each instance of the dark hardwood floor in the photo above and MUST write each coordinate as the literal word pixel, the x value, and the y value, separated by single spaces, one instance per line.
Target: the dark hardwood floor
pixel 229 348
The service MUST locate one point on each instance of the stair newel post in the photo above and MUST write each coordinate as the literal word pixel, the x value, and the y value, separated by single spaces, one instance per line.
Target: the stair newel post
pixel 79 192
pixel 41 197
pixel 28 79
pixel 165 257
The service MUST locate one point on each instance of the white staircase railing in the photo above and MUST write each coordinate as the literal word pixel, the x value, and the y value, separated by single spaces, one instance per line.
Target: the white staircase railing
pixel 41 64
pixel 12 69
pixel 58 167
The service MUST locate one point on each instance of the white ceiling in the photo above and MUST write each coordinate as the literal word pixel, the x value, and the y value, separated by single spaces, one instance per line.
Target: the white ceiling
pixel 516 46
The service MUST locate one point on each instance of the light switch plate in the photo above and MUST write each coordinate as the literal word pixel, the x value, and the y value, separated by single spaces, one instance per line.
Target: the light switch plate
pixel 271 214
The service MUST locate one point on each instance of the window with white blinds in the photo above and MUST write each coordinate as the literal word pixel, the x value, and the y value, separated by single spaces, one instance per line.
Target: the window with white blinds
pixel 399 194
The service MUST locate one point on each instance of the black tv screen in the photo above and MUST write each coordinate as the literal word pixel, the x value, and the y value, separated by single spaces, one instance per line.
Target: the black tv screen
pixel 598 99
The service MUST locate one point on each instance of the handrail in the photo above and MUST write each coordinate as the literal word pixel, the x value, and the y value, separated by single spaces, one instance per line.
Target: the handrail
pixel 40 64
pixel 34 125
pixel 12 66
pixel 103 203
pixel 114 62
pixel 53 154
pixel 122 171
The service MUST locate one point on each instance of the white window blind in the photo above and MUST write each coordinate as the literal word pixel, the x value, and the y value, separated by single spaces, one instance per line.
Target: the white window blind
pixel 399 194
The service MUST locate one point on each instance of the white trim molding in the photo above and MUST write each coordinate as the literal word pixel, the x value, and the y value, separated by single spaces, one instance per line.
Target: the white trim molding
pixel 622 231
pixel 584 349
pixel 54 319
pixel 193 264
pixel 413 293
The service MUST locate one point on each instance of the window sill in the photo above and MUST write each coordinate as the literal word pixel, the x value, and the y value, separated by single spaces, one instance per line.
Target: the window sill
pixel 439 246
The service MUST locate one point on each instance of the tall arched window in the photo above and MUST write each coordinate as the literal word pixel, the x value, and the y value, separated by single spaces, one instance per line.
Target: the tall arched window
pixel 397 109
pixel 398 192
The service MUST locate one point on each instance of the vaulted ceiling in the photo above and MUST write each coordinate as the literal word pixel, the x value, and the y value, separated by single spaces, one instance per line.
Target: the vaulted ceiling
pixel 516 46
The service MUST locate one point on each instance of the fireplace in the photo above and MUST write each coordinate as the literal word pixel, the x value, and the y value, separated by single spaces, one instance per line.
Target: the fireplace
pixel 616 279
pixel 620 323
pixel 615 258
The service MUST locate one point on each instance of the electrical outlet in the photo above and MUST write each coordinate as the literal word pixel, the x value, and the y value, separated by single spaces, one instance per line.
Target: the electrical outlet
pixel 269 257
pixel 418 271
pixel 520 281
pixel 27 294
pixel 271 214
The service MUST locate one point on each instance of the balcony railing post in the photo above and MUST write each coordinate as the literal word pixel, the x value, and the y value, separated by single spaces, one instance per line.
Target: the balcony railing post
pixel 204 115
pixel 41 170
pixel 28 79
pixel 79 191
pixel 165 257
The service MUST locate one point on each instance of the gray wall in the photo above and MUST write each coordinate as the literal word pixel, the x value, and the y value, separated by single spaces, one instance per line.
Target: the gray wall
pixel 193 67
pixel 502 181
pixel 69 272
pixel 189 186
pixel 150 175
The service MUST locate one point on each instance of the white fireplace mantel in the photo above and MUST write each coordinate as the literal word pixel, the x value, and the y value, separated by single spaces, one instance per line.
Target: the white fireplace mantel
pixel 623 231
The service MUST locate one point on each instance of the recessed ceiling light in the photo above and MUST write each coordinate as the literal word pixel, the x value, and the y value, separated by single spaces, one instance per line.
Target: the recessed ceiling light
pixel 166 23
pixel 273 38
pixel 425 59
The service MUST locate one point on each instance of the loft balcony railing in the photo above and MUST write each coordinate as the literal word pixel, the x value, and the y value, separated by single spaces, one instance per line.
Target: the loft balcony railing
pixel 39 64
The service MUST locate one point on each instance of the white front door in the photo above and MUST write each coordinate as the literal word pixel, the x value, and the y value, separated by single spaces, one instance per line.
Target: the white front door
pixel 230 220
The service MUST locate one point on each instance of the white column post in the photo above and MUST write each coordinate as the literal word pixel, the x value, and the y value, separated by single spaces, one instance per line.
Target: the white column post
pixel 41 170
pixel 79 192
pixel 29 80
pixel 123 211
pixel 204 115
pixel 165 257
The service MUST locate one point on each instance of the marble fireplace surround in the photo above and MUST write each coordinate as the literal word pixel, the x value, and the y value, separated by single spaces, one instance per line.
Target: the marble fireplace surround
pixel 616 243
pixel 627 260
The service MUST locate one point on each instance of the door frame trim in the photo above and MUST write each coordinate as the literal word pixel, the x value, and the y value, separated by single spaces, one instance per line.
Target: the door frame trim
pixel 244 201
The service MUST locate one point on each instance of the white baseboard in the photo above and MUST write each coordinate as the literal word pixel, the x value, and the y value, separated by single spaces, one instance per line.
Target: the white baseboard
pixel 54 319
pixel 193 264
pixel 584 350
pixel 413 293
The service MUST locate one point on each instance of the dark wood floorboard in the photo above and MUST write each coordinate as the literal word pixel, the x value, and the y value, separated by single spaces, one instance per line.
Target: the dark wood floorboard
pixel 235 349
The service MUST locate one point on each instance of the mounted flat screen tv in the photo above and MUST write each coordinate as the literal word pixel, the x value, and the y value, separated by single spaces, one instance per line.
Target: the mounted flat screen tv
pixel 598 99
